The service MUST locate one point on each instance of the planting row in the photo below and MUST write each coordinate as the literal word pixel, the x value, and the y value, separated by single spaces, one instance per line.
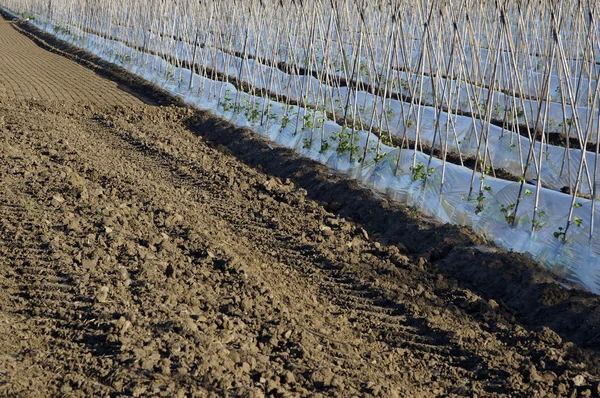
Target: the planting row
pixel 363 125
pixel 413 125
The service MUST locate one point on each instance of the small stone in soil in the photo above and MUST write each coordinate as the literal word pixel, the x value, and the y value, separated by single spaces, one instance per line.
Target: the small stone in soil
pixel 102 295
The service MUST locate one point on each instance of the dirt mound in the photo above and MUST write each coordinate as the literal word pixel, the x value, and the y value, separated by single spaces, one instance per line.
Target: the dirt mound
pixel 156 251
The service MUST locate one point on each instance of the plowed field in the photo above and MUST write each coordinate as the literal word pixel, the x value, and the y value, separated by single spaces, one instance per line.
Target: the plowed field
pixel 151 250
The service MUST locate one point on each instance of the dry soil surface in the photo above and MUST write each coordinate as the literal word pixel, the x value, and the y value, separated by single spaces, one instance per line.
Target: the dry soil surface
pixel 156 251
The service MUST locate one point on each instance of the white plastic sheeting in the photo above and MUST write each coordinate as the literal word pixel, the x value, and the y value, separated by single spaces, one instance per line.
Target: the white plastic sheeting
pixel 506 149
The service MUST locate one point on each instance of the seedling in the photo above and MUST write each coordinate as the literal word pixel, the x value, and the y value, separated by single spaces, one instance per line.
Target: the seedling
pixel 560 233
pixel 386 139
pixel 540 220
pixel 420 172
pixel 306 143
pixel 123 58
pixel 252 111
pixel 347 142
pixel 169 74
pixel 508 212
pixel 60 29
pixel 227 102
pixel 481 198
pixel 378 158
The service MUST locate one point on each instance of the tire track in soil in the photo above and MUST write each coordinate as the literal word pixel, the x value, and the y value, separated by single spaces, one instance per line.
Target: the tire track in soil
pixel 43 294
pixel 424 340
pixel 169 170
pixel 417 339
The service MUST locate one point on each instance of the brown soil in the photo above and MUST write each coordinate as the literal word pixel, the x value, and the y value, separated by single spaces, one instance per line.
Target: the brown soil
pixel 158 251
pixel 28 72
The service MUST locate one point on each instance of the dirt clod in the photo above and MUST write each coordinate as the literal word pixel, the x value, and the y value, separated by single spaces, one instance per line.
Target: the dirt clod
pixel 102 295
